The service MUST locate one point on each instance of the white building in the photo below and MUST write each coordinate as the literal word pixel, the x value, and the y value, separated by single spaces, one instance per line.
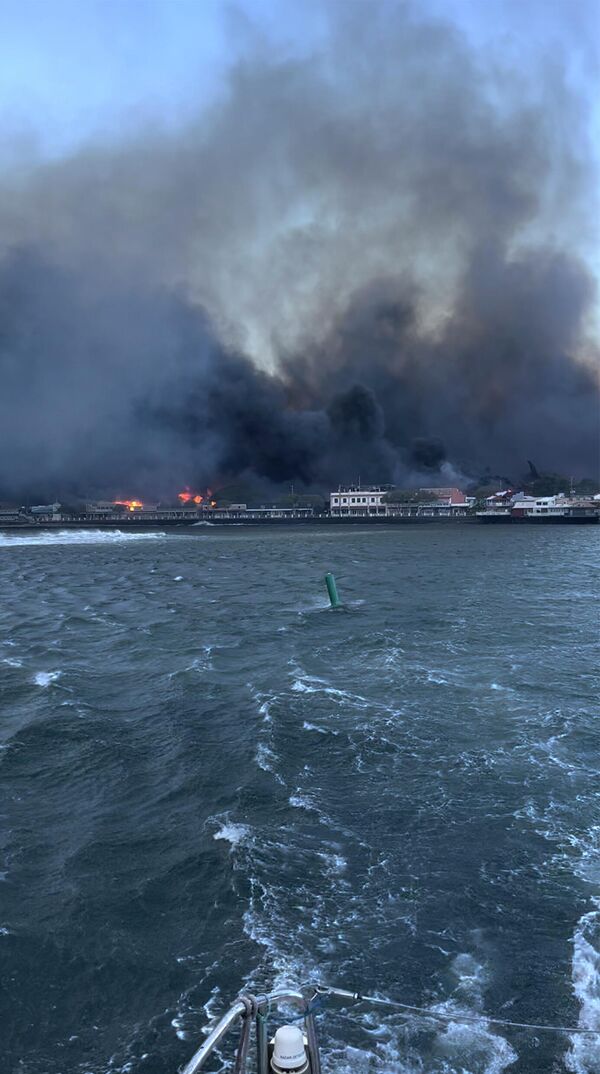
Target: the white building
pixel 359 500
pixel 532 506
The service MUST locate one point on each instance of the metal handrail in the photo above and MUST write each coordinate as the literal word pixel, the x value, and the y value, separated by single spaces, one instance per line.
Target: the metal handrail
pixel 258 1007
pixel 199 1058
pixel 247 1006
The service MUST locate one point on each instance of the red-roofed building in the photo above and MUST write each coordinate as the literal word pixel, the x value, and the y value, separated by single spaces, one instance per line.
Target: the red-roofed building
pixel 451 497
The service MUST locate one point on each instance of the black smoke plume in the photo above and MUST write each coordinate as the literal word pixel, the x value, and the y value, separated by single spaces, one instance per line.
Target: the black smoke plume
pixel 368 262
pixel 427 454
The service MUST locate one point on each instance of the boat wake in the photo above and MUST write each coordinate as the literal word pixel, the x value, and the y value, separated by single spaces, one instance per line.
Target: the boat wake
pixel 582 1057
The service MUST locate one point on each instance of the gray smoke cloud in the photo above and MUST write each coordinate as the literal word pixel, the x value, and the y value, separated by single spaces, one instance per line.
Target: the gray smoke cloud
pixel 371 260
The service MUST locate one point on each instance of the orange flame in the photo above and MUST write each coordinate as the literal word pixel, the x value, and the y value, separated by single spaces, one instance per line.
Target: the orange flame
pixel 131 505
pixel 190 497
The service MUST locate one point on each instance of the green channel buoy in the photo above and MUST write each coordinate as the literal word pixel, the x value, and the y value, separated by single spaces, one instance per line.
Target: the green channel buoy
pixel 332 590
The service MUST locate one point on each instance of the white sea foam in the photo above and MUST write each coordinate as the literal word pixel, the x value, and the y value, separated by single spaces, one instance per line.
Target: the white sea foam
pixel 10 540
pixel 458 1048
pixel 266 758
pixel 437 678
pixel 233 833
pixel 392 656
pixel 320 604
pixel 302 801
pixel 264 711
pixel 45 678
pixel 477 1045
pixel 473 1045
pixel 199 664
pixel 12 662
pixel 178 1024
pixel 310 684
pixel 178 578
pixel 308 803
pixel 581 852
pixel 335 864
pixel 583 1056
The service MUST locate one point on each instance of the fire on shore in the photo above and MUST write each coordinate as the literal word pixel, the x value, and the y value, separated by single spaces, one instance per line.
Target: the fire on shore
pixel 350 503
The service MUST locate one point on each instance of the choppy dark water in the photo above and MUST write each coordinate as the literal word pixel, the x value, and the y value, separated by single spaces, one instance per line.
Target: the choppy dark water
pixel 209 778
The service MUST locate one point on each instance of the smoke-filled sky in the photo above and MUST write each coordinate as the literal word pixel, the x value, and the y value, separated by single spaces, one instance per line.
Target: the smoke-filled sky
pixel 297 241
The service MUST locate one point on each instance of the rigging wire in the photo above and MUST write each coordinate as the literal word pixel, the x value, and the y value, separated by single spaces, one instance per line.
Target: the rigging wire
pixel 442 1016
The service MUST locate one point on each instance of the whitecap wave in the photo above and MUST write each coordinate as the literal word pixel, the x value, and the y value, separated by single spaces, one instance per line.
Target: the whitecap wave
pixel 267 759
pixel 178 1024
pixel 199 664
pixel 233 833
pixel 311 684
pixel 74 537
pixel 307 726
pixel 45 678
pixel 437 678
pixel 303 801
pixel 334 864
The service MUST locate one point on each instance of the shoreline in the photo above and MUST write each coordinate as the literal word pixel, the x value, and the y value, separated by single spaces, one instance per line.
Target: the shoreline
pixel 149 525
pixel 201 526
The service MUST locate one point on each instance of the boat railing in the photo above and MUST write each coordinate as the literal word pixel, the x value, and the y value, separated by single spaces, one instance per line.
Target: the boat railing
pixel 249 1009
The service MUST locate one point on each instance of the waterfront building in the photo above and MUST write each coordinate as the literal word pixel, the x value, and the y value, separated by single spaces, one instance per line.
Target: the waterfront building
pixel 450 497
pixel 359 500
pixel 508 507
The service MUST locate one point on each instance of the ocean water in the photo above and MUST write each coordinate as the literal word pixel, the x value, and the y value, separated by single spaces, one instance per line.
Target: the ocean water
pixel 210 781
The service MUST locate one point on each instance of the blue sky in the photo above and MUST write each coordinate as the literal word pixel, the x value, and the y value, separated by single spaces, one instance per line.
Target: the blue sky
pixel 71 69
